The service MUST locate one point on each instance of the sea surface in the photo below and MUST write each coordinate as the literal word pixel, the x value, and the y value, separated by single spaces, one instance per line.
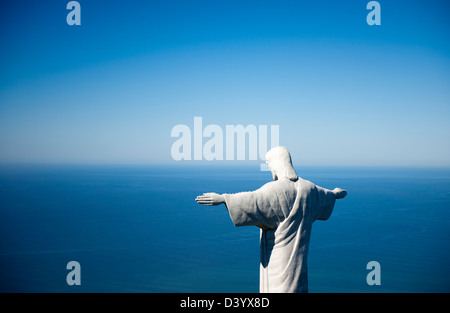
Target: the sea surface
pixel 138 229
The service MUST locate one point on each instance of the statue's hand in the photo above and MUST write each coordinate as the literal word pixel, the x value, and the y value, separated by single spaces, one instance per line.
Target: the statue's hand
pixel 340 193
pixel 210 198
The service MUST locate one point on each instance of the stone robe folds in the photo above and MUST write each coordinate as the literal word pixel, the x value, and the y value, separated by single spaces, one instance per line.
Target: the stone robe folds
pixel 285 211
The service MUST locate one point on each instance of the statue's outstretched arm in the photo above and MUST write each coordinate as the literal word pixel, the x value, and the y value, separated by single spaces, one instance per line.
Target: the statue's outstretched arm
pixel 210 198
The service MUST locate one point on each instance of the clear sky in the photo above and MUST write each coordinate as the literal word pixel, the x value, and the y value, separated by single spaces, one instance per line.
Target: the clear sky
pixel 111 89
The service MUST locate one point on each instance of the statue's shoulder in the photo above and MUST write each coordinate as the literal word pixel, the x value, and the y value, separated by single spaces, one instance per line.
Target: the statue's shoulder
pixel 305 185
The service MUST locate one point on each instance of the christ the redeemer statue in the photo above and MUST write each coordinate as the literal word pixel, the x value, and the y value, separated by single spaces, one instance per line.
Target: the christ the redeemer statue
pixel 284 210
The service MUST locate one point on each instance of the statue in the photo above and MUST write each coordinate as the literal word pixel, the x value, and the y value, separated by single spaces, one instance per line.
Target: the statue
pixel 284 210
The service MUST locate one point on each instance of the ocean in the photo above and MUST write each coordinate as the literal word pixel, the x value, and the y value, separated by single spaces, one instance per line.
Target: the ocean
pixel 138 229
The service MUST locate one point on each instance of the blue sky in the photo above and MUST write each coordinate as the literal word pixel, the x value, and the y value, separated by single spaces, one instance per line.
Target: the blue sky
pixel 110 90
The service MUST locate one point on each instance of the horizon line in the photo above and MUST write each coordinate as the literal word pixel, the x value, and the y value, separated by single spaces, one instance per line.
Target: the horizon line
pixel 215 164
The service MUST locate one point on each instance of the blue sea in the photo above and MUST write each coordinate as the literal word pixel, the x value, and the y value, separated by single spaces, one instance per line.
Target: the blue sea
pixel 138 229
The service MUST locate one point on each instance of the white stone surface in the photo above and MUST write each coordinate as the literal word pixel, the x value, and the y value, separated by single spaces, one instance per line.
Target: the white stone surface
pixel 285 210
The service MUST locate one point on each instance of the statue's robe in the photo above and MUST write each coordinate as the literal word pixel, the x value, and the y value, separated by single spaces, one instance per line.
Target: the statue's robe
pixel 285 211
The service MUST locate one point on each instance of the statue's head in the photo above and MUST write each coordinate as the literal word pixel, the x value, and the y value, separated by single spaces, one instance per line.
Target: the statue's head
pixel 280 164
